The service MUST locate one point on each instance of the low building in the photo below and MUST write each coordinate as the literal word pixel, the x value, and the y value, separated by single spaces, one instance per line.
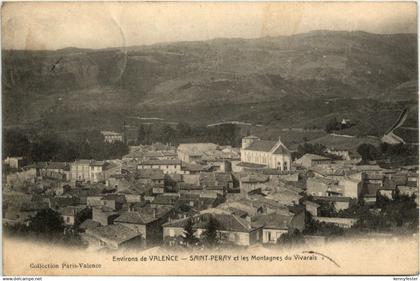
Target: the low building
pixel 14 162
pixel 351 187
pixel 92 171
pixel 94 201
pixel 112 137
pixel 250 182
pixel 413 179
pixel 114 201
pixel 166 166
pixel 54 170
pixel 160 155
pixel 104 215
pixel 193 152
pixel 387 192
pixel 88 224
pixel 323 187
pixel 199 201
pixel 409 191
pixel 113 237
pixel 310 160
pixel 147 222
pixel 69 214
pixel 342 153
pixel 339 202
pixel 219 183
pixel 22 178
pixel 370 192
pixel 311 207
pixel 276 224
pixel 230 228
pixel 165 200
pixel 340 222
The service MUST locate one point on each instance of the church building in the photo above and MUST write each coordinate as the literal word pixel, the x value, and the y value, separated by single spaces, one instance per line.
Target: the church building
pixel 274 155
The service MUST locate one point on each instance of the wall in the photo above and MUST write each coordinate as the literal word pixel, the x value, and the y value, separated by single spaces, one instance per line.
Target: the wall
pixel 21 177
pixel 298 222
pixel 173 231
pixel 341 205
pixel 352 188
pixel 316 188
pixel 103 218
pixel 139 228
pixel 191 179
pixel 275 234
pixel 68 220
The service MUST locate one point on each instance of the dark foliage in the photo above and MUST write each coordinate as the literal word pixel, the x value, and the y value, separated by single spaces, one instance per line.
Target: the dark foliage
pixel 291 239
pixel 210 235
pixel 46 221
pixel 49 146
pixel 81 216
pixel 401 154
pixel 367 151
pixel 226 134
pixel 321 228
pixel 189 237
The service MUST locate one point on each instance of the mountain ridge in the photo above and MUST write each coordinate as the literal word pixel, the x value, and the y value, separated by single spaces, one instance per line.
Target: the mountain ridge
pixel 198 74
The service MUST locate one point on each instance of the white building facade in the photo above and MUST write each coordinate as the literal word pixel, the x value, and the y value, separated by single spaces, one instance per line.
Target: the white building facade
pixel 274 155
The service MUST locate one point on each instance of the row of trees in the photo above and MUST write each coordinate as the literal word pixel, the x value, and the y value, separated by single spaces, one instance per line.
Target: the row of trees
pixel 49 146
pixel 226 134
pixel 402 153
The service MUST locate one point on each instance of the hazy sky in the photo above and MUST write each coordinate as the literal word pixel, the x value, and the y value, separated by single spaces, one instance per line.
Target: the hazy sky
pixel 98 25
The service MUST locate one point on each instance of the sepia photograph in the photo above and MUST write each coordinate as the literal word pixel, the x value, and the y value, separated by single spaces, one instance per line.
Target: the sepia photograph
pixel 209 138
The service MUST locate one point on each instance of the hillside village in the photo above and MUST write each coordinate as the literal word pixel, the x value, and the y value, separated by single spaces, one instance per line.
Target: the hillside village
pixel 209 195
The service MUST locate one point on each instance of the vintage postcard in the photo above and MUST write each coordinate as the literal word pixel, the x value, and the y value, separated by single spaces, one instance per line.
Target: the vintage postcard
pixel 210 138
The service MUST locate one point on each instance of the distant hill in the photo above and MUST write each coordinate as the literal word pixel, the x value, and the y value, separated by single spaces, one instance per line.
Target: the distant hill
pixel 297 81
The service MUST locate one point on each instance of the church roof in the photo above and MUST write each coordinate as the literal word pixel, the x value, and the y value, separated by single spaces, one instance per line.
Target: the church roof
pixel 262 145
pixel 251 137
pixel 267 146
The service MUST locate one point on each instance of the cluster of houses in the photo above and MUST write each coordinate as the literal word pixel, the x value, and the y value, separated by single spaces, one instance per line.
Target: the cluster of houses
pixel 255 193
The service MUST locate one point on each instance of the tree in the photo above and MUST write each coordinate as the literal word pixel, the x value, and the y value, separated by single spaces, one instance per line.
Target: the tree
pixel 331 125
pixel 16 143
pixel 46 222
pixel 81 216
pixel 291 239
pixel 141 135
pixel 210 234
pixel 183 129
pixel 189 237
pixel 367 151
pixel 326 209
pixel 168 134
